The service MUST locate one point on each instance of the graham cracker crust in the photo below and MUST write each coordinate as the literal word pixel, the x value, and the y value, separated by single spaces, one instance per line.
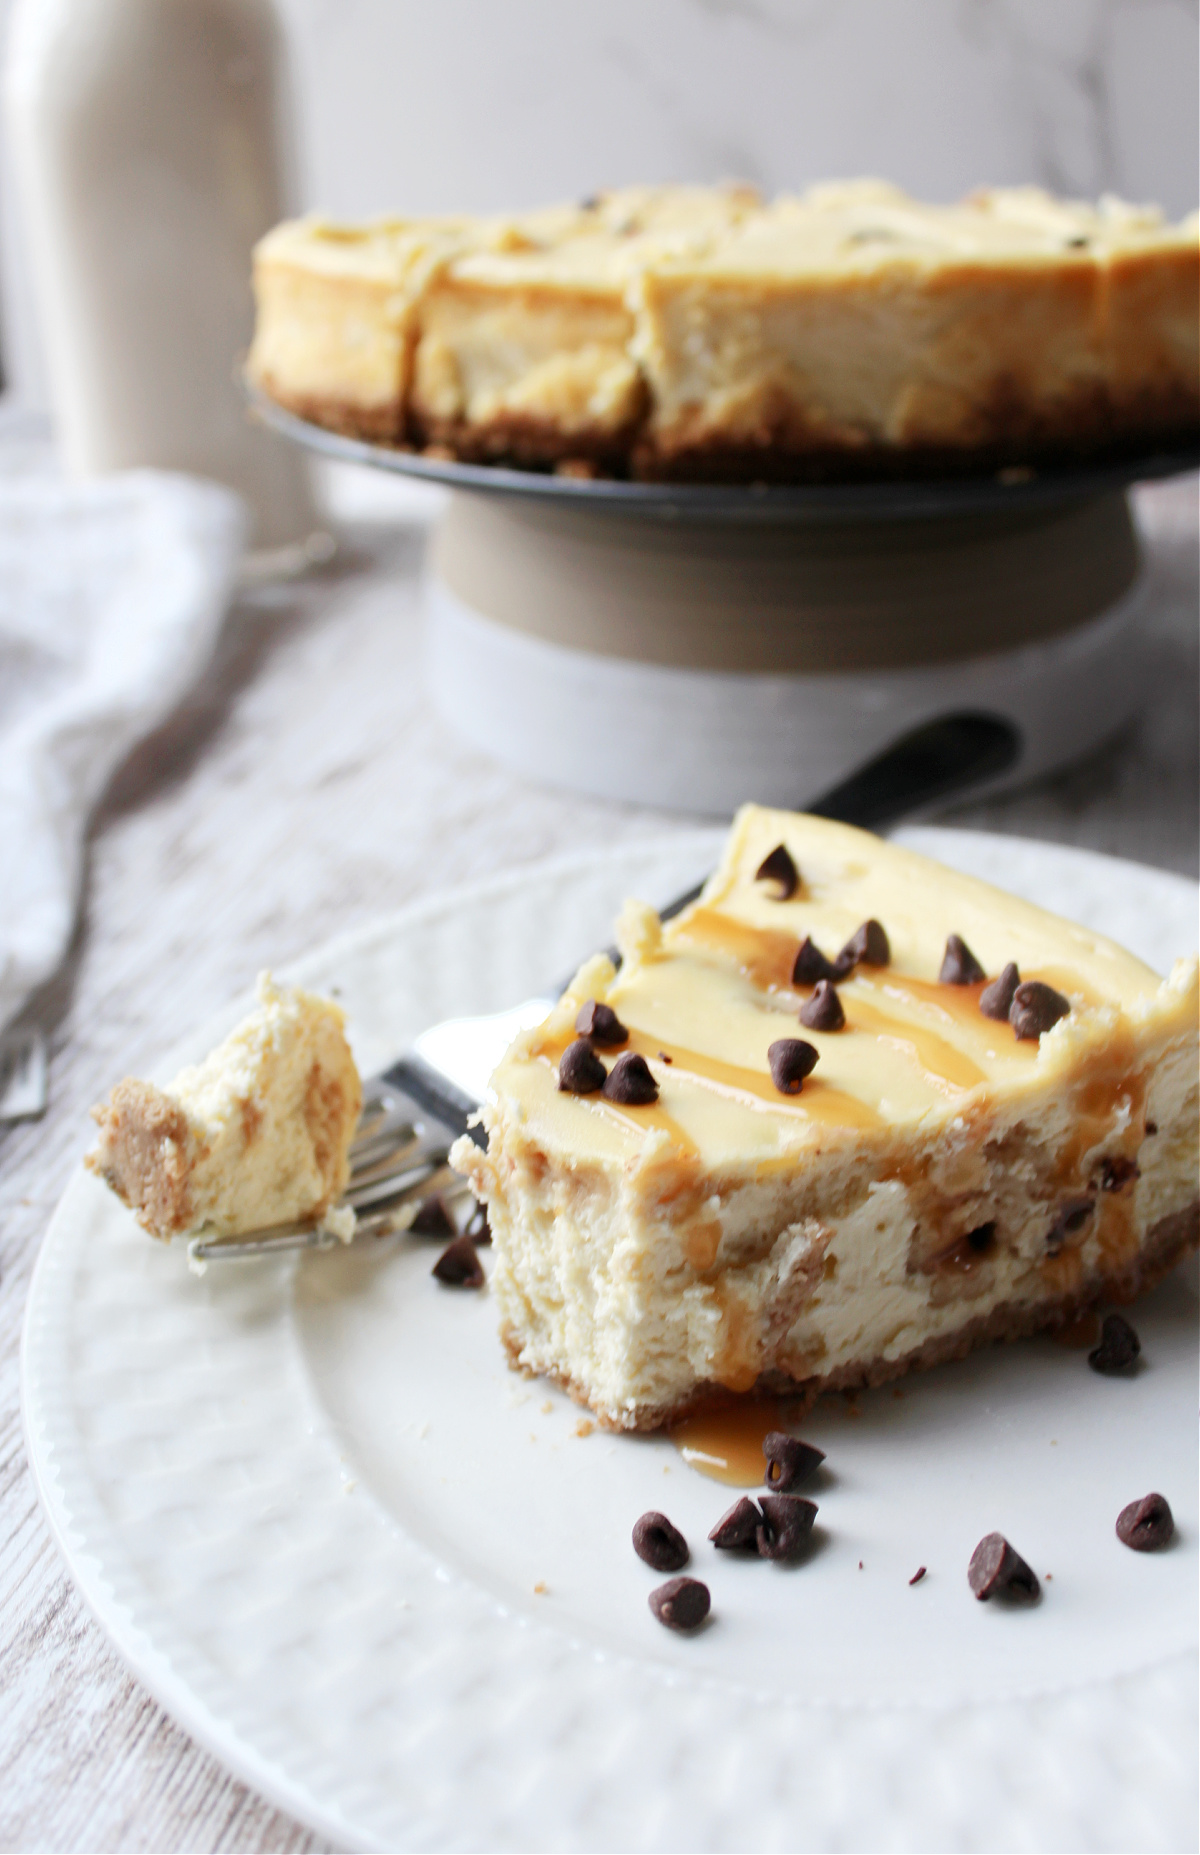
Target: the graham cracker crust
pixel 781 454
pixel 1165 1244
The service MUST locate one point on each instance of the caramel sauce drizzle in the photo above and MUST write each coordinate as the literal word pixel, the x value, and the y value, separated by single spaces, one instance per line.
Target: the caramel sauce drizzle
pixel 939 1060
pixel 765 955
pixel 817 1101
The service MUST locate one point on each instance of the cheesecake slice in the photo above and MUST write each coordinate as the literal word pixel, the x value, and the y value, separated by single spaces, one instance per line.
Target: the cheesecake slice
pixel 850 1114
pixel 257 1134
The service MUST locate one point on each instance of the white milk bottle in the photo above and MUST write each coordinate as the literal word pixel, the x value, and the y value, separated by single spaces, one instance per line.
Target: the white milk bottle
pixel 151 148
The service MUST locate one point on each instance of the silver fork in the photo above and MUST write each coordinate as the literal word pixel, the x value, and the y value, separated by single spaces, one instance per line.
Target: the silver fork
pixel 415 1110
pixel 398 1155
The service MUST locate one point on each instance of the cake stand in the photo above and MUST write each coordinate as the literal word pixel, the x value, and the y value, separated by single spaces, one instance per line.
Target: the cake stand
pixel 694 646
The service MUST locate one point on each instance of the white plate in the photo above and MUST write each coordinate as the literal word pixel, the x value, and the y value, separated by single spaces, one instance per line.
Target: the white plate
pixel 313 1510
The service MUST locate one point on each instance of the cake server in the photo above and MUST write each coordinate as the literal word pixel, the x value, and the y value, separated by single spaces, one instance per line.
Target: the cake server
pixel 415 1109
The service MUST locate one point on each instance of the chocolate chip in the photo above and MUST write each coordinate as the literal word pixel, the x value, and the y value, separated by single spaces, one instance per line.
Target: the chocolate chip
pixel 1151 1128
pixel 681 1603
pixel 433 1219
pixel 630 1082
pixel 1118 1172
pixel 787 1521
pixel 868 945
pixel 959 965
pixel 601 1024
pixel 778 867
pixel 995 1001
pixel 823 1011
pixel 458 1265
pixel 995 1567
pixel 790 1059
pixel 664 1058
pixel 811 964
pixel 738 1526
pixel 1117 1354
pixel 1147 1525
pixel 790 1463
pixel 580 1071
pixel 477 1226
pixel 1035 1008
pixel 917 1575
pixel 659 1543
pixel 1073 1215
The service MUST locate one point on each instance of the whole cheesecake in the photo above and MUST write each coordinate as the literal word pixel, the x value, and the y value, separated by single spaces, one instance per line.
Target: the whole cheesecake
pixel 688 332
pixel 850 1114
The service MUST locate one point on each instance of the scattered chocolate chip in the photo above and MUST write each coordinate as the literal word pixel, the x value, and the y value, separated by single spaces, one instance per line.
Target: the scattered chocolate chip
pixel 995 1001
pixel 1117 1354
pixel 580 1071
pixel 1151 1128
pixel 790 1463
pixel 1035 1008
pixel 959 965
pixel 1073 1215
pixel 1147 1525
pixel 917 1575
pixel 787 1521
pixel 601 1024
pixel 433 1219
pixel 630 1082
pixel 868 944
pixel 659 1543
pixel 681 1603
pixel 980 1240
pixel 1118 1172
pixel 664 1058
pixel 823 1011
pixel 738 1526
pixel 790 1060
pixel 477 1226
pixel 811 964
pixel 995 1567
pixel 778 867
pixel 458 1265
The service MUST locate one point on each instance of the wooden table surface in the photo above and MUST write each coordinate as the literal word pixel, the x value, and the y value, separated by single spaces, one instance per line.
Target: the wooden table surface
pixel 304 788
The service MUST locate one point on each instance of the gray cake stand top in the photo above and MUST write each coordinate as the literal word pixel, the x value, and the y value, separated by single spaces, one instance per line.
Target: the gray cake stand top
pixel 885 499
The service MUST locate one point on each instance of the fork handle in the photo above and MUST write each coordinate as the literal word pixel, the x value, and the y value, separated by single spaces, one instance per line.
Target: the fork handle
pixel 434 1095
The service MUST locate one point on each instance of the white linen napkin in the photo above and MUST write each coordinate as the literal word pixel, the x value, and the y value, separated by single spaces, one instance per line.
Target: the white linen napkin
pixel 112 593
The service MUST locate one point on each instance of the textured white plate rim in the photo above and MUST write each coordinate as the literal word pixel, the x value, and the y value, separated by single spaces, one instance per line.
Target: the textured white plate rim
pixel 50 1451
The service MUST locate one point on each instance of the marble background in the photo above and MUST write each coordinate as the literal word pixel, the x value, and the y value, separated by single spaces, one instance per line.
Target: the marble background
pixel 439 104
pixel 429 105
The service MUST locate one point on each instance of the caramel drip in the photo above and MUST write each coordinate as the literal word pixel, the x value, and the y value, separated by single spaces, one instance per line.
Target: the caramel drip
pixel 764 954
pixel 817 1100
pixel 946 1067
pixel 726 1444
pixel 639 1120
pixel 1113 1089
pixel 1085 1331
